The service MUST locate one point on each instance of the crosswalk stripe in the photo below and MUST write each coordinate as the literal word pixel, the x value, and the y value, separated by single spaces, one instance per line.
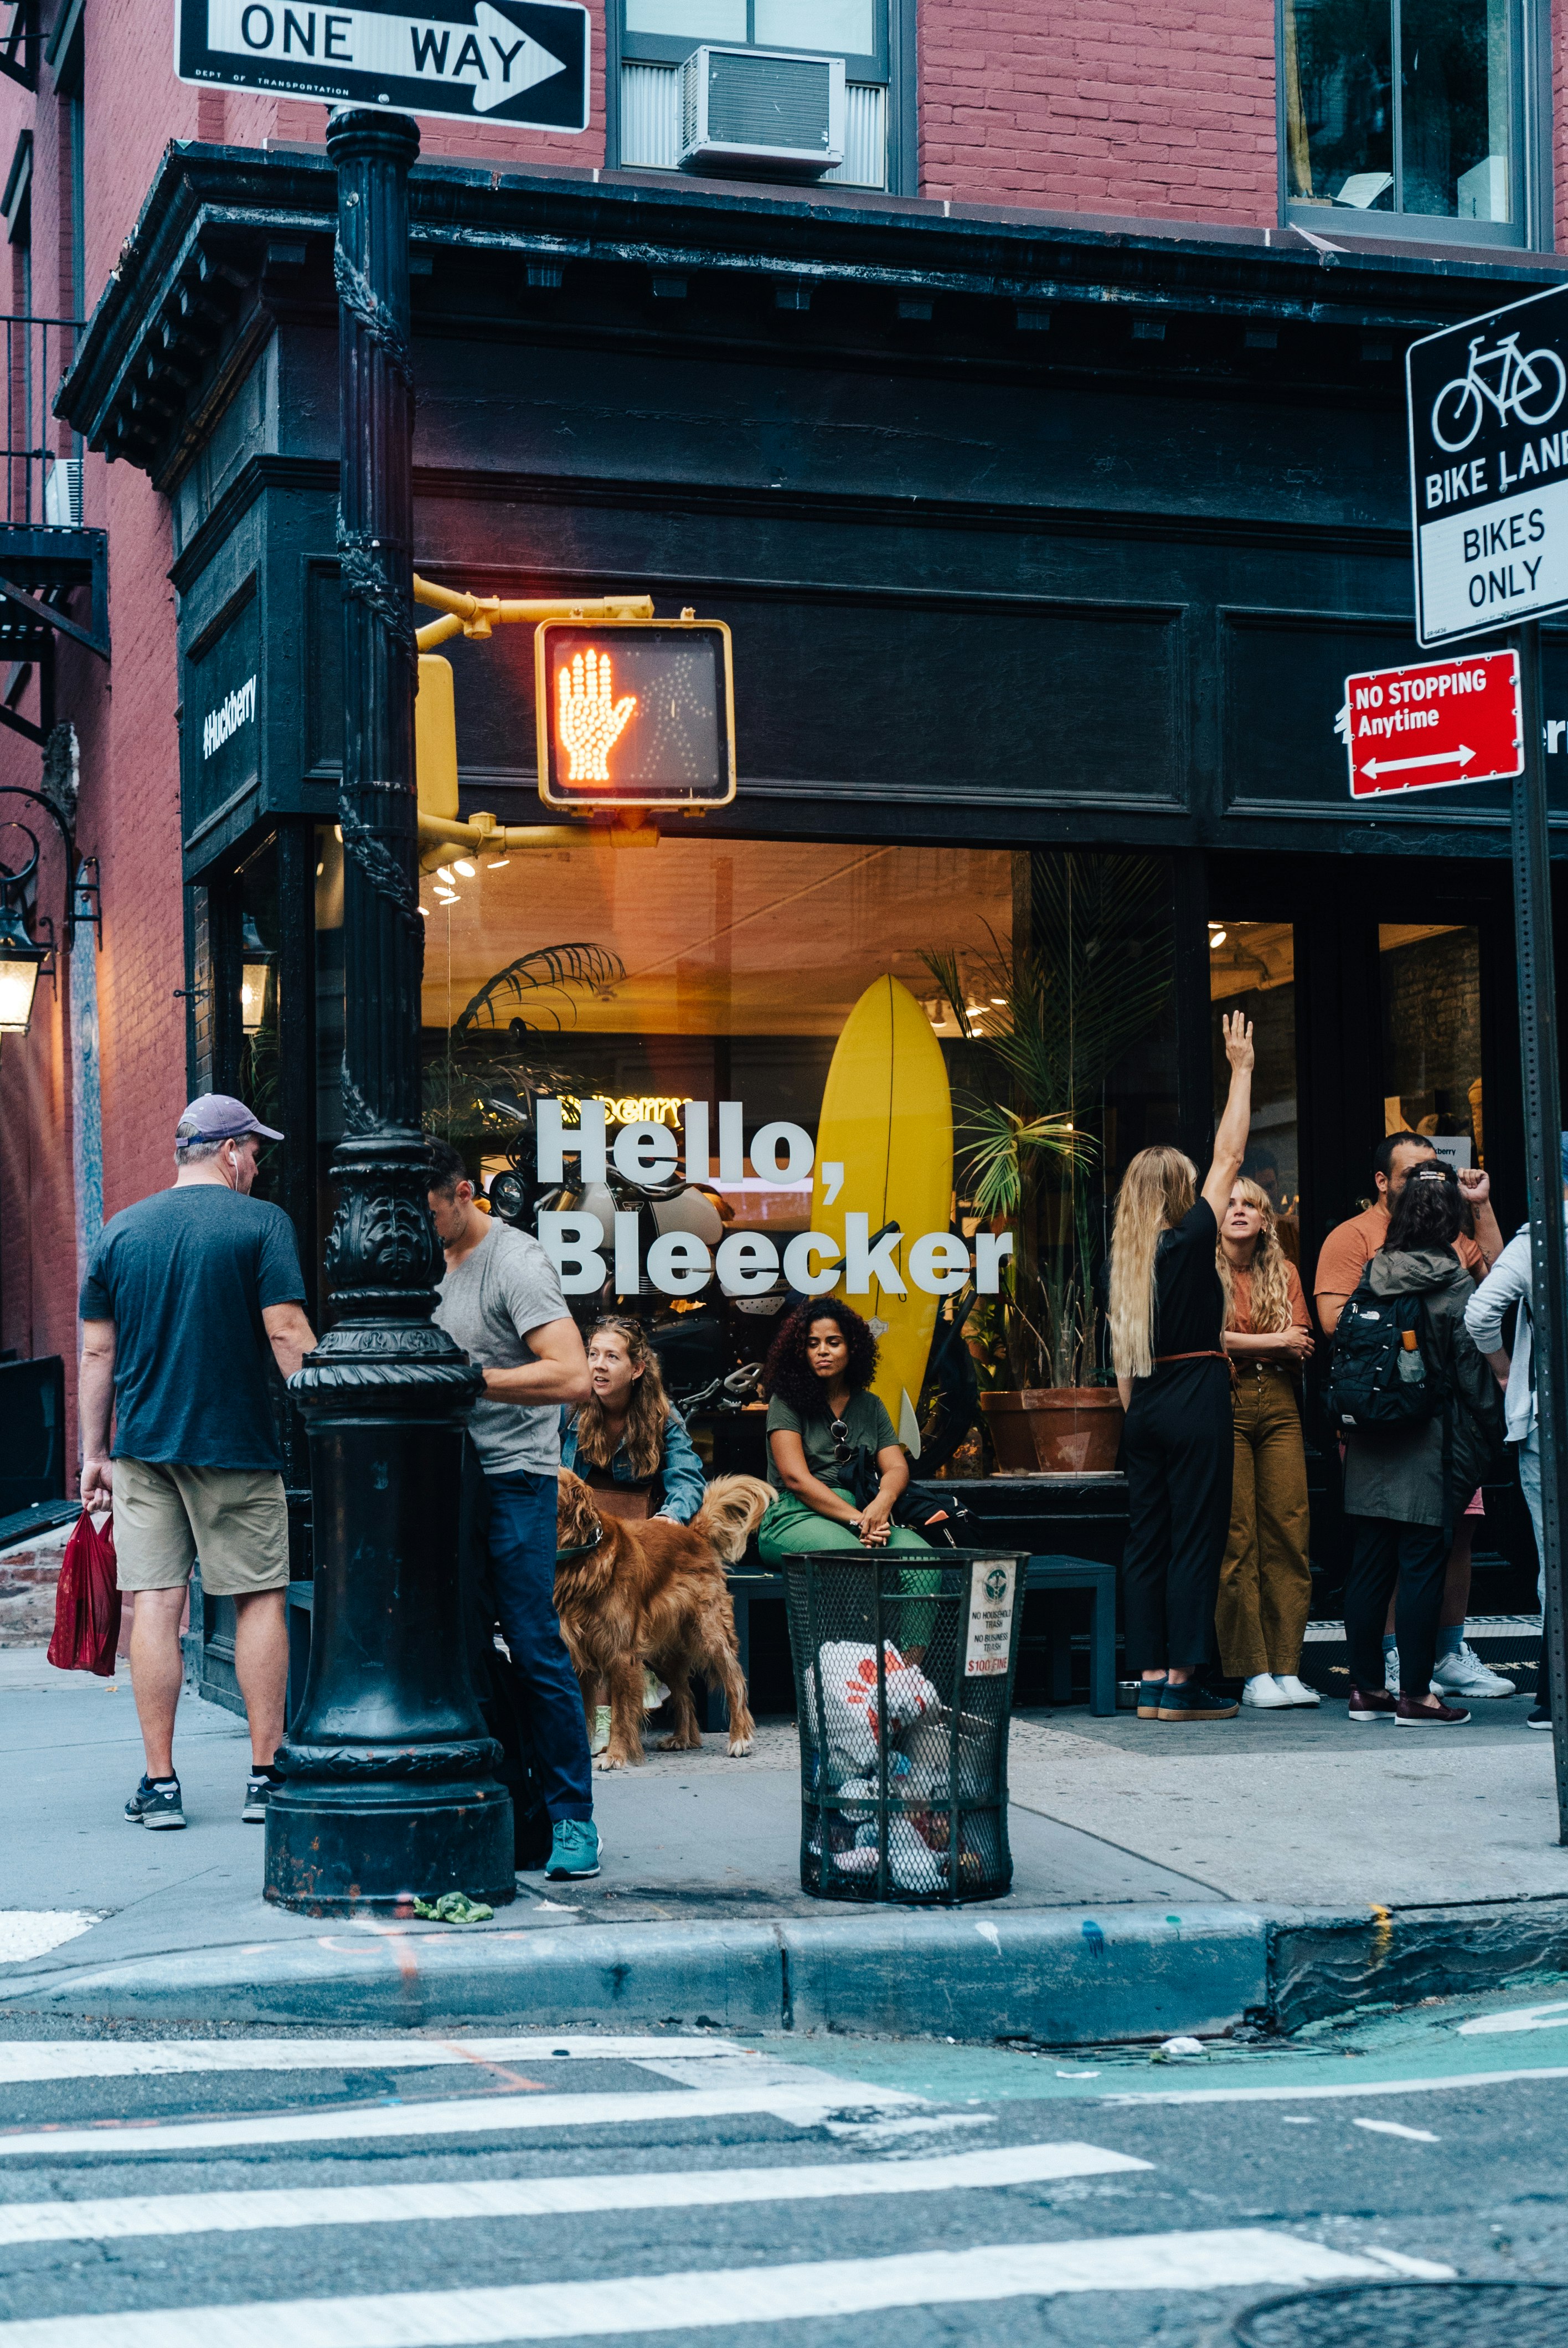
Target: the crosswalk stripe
pixel 806 2105
pixel 28 2060
pixel 378 2205
pixel 1227 2258
pixel 1333 2090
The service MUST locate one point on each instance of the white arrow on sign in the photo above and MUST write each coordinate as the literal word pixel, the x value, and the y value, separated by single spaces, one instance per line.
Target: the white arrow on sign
pixel 1460 757
pixel 493 60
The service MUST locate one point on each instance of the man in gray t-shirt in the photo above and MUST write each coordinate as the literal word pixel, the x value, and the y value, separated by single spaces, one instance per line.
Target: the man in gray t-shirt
pixel 501 1301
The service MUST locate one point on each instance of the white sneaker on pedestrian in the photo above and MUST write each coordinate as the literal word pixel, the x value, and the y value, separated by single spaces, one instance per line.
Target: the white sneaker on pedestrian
pixel 1391 1669
pixel 1295 1691
pixel 1464 1673
pixel 1262 1693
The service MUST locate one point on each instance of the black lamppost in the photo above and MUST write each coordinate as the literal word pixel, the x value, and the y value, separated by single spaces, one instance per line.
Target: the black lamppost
pixel 388 1785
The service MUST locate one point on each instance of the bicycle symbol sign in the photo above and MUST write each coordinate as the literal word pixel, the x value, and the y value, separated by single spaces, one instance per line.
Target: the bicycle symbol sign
pixel 1530 386
pixel 1488 416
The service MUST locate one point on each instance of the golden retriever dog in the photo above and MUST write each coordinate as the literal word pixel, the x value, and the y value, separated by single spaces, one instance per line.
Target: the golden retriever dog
pixel 630 1591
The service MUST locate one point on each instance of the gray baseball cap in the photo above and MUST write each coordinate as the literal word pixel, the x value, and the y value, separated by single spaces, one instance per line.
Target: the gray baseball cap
pixel 218 1116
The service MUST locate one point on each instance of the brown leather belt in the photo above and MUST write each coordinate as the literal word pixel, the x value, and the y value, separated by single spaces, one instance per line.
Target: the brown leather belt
pixel 1204 1354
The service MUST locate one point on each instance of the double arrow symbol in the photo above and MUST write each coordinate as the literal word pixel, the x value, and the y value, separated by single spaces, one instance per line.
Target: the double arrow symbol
pixel 1460 757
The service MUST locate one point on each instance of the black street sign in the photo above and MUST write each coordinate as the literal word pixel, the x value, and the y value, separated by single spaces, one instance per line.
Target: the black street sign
pixel 522 61
pixel 1489 470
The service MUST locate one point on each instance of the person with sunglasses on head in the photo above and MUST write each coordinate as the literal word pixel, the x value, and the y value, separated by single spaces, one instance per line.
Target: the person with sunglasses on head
pixel 824 1424
pixel 1405 1484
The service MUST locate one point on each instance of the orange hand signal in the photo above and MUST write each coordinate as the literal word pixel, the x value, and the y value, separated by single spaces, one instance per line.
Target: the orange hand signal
pixel 591 721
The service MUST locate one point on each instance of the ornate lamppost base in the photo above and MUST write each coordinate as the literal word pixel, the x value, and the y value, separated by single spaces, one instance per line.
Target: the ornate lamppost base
pixel 359 1849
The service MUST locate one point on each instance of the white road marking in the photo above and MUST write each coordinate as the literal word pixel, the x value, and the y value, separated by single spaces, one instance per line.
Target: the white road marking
pixel 807 2105
pixel 118 2219
pixel 30 2059
pixel 34 1931
pixel 1340 2088
pixel 1520 2017
pixel 1392 2127
pixel 876 2132
pixel 1227 2258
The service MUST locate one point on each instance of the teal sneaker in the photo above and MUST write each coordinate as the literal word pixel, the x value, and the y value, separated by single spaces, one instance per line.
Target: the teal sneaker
pixel 574 1850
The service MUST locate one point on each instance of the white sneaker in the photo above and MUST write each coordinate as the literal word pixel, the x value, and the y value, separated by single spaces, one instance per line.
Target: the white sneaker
pixel 1262 1693
pixel 1464 1673
pixel 1391 1669
pixel 1295 1691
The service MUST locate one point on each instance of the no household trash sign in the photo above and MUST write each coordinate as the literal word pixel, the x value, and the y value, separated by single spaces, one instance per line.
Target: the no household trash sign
pixel 1417 729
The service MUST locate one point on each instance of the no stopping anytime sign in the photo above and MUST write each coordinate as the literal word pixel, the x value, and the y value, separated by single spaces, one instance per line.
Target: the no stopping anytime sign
pixel 1419 730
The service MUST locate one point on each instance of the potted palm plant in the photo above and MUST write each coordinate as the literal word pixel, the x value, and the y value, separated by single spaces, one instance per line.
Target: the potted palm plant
pixel 1089 977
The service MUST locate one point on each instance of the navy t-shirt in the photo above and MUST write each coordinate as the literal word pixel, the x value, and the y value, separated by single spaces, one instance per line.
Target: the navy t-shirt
pixel 184 1276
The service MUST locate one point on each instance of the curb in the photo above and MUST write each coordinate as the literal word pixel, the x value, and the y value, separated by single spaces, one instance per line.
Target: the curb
pixel 1320 1963
pixel 1061 1977
pixel 1057 1977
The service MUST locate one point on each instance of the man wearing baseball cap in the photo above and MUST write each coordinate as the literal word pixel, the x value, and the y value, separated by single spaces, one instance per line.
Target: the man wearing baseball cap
pixel 186 1294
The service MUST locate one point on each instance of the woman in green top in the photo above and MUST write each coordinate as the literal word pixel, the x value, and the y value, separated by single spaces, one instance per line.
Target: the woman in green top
pixel 821 1412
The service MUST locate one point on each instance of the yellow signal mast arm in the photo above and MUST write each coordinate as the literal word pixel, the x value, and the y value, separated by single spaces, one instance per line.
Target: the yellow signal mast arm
pixel 476 616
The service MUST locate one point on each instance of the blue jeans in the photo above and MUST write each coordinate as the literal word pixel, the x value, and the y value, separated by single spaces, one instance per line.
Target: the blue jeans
pixel 1530 1484
pixel 522 1541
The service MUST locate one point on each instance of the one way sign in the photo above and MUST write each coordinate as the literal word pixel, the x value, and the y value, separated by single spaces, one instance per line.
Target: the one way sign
pixel 523 61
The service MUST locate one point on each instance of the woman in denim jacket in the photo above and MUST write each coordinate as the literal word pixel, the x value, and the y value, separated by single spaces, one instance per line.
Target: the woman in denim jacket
pixel 629 1443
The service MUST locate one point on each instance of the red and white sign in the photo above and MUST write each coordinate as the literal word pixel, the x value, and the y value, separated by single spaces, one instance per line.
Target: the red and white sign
pixel 1421 729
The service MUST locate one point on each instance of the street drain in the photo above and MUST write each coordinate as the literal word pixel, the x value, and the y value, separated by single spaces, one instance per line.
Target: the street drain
pixel 1412 2315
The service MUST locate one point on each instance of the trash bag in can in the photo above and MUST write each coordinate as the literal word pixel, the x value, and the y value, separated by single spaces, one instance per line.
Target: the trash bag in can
pixel 903 1678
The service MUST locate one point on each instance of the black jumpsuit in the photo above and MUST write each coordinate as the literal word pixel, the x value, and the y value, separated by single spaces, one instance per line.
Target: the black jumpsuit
pixel 1178 1452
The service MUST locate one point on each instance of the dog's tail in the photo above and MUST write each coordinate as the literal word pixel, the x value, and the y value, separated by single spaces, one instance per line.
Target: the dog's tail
pixel 730 1510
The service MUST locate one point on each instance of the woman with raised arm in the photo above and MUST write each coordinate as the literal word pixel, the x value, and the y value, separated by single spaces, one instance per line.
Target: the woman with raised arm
pixel 1173 1374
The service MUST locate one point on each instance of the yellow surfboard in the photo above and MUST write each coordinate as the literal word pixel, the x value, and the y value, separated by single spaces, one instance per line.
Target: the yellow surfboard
pixel 887 1121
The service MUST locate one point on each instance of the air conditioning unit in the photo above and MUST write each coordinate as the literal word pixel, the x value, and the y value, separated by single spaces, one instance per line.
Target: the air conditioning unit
pixel 762 113
pixel 63 494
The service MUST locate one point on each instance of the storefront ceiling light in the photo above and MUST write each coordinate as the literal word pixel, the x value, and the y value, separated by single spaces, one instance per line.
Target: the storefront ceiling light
pixel 425 912
pixel 461 866
pixel 1216 938
pixel 443 873
pixel 1001 1001
pixel 446 896
pixel 497 864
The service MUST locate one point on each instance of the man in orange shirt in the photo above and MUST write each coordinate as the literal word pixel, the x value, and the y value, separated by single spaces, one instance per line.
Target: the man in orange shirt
pixel 1344 1257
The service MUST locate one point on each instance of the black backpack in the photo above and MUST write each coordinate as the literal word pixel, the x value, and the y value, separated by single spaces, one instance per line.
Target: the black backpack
pixel 1382 1374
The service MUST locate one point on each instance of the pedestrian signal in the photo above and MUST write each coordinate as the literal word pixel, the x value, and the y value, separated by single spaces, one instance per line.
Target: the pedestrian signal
pixel 635 713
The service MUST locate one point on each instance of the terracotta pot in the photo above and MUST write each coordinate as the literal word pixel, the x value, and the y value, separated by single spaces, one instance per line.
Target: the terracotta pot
pixel 1055 1430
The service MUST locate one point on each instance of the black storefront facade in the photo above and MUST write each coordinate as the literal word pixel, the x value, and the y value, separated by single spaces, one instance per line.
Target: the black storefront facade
pixel 1046 549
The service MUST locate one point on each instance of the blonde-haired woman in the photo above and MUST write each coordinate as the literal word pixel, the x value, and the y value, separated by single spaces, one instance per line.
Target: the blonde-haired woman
pixel 1266 1583
pixel 1167 1323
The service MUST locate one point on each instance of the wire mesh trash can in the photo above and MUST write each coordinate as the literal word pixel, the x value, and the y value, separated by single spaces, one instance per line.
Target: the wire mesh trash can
pixel 904 1667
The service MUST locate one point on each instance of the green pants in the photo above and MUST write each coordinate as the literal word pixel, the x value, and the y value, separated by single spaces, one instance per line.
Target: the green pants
pixel 790 1529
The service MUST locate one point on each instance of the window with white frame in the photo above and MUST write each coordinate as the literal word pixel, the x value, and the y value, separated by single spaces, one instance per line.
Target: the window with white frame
pixel 1408 111
pixel 658 36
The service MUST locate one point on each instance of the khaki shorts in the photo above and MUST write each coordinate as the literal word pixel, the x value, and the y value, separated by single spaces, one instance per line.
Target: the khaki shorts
pixel 235 1519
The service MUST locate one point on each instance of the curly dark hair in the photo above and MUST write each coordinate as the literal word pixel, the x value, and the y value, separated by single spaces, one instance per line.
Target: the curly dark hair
pixel 787 1371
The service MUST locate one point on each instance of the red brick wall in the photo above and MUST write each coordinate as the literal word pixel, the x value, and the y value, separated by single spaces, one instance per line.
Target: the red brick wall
pixel 1159 107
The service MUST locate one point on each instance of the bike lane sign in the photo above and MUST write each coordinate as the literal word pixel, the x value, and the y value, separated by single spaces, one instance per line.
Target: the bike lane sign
pixel 1488 414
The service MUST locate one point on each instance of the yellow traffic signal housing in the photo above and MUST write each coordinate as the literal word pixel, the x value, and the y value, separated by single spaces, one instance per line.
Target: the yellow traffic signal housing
pixel 436 738
pixel 635 713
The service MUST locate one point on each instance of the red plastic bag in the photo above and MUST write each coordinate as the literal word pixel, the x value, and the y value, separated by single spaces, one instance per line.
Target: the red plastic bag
pixel 87 1603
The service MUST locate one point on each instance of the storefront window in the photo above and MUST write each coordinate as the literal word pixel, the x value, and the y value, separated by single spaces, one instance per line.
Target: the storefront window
pixel 1431 1036
pixel 1401 106
pixel 260 987
pixel 1252 968
pixel 717 1074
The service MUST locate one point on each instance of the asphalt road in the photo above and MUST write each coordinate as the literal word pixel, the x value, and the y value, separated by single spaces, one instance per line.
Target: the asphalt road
pixel 294 2192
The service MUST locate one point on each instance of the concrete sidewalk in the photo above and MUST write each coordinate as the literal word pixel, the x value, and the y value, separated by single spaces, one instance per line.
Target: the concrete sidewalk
pixel 1166 1879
